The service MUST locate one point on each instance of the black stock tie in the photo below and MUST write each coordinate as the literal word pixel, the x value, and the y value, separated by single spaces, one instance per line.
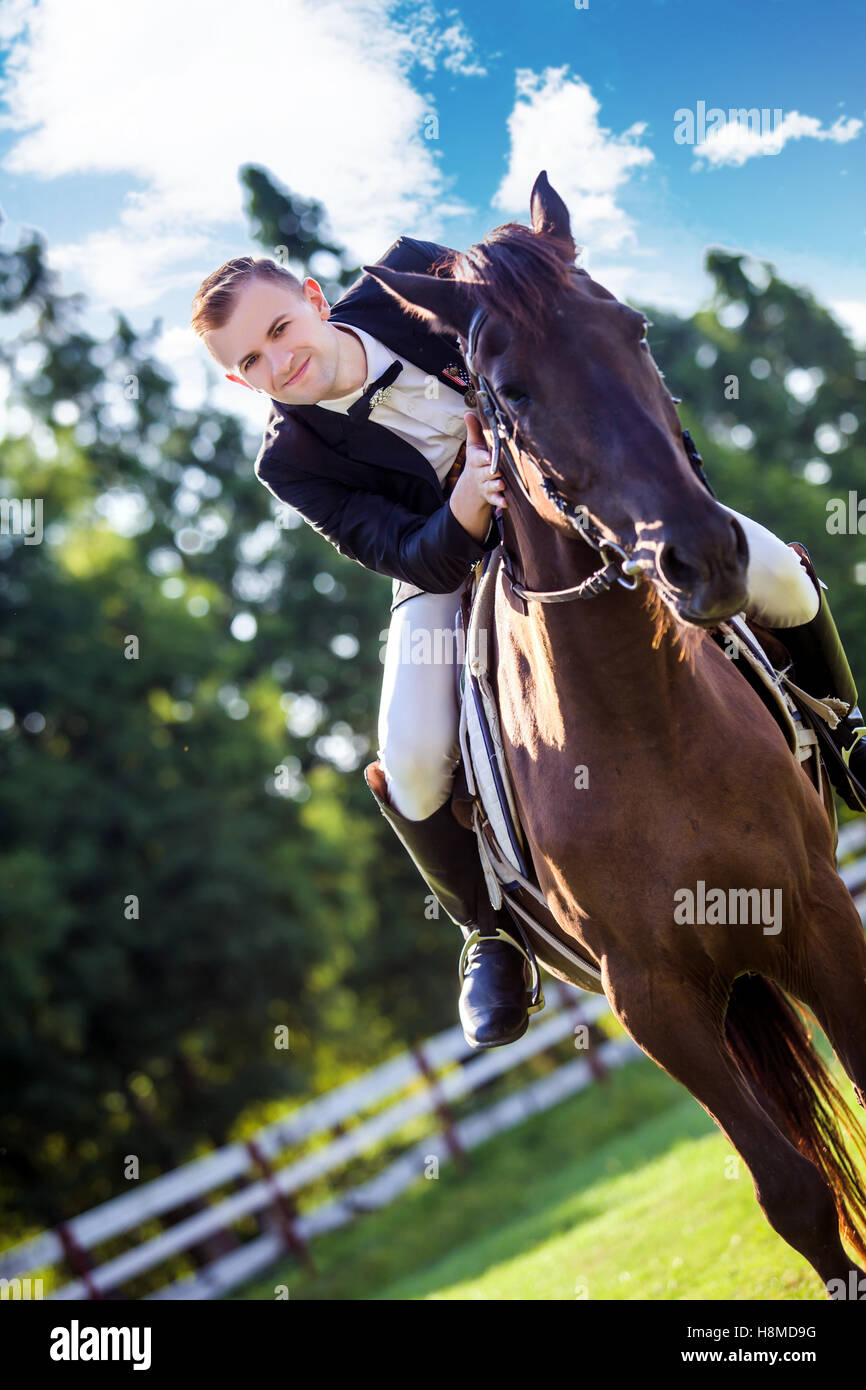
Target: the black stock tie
pixel 364 404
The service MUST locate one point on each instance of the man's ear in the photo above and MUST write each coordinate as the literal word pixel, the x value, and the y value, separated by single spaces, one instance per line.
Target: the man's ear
pixel 445 305
pixel 314 292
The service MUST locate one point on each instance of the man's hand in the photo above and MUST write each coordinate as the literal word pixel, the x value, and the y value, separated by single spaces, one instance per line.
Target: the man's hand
pixel 477 490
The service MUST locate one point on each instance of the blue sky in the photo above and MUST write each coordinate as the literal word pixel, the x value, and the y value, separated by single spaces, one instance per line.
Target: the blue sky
pixel 122 127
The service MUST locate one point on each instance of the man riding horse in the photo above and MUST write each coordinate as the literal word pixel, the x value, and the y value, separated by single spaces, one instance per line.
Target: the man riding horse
pixel 370 440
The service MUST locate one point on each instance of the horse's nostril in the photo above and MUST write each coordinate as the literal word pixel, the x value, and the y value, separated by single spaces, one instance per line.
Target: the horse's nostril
pixel 742 543
pixel 679 571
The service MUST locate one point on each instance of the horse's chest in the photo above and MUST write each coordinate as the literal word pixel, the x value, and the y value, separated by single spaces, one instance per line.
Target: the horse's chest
pixel 568 769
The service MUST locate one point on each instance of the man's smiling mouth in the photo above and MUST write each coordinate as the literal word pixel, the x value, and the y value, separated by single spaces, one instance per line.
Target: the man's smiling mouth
pixel 298 374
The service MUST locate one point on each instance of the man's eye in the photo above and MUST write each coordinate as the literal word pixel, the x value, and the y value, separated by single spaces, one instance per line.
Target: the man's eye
pixel 279 328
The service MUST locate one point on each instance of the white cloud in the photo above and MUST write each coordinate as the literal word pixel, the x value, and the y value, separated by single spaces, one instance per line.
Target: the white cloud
pixel 13 15
pixel 431 41
pixel 121 268
pixel 175 97
pixel 680 289
pixel 851 313
pixel 735 142
pixel 554 126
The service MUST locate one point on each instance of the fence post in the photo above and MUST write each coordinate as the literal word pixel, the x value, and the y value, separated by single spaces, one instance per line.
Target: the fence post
pixel 284 1209
pixel 78 1259
pixel 443 1110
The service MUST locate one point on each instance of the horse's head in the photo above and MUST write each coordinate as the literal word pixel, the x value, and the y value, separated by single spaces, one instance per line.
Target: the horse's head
pixel 569 365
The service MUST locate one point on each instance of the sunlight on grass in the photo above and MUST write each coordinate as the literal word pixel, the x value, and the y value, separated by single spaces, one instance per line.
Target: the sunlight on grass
pixel 626 1191
pixel 674 1228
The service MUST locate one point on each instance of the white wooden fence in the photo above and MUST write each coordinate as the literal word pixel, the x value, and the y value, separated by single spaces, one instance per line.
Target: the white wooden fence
pixel 419 1083
pixel 447 1070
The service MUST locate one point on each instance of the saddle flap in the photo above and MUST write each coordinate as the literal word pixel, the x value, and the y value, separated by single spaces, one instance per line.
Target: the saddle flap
pixel 481 737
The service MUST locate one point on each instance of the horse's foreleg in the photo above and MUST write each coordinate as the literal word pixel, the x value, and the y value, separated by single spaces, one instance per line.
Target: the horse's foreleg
pixel 680 1024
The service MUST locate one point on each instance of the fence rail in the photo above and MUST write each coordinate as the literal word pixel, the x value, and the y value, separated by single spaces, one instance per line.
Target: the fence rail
pixel 421 1082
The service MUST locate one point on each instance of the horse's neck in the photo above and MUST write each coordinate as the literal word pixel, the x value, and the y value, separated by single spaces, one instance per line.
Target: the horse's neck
pixel 600 647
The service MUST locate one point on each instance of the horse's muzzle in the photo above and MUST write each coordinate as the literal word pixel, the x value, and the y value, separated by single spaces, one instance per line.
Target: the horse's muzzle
pixel 708 583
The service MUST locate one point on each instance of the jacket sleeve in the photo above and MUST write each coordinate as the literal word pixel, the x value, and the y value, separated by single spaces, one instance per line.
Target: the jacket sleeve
pixel 434 552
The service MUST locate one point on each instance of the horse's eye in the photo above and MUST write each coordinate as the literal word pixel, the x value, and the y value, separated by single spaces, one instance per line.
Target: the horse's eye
pixel 515 395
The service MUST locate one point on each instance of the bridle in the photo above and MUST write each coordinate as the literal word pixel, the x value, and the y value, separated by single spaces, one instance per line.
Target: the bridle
pixel 618 567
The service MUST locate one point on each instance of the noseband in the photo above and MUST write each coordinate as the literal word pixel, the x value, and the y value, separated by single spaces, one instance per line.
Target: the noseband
pixel 618 567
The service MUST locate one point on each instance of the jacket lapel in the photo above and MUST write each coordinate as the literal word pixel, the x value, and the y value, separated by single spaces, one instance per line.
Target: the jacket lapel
pixel 366 441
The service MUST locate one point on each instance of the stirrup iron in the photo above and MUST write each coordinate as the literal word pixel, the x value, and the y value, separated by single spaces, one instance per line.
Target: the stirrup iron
pixel 534 988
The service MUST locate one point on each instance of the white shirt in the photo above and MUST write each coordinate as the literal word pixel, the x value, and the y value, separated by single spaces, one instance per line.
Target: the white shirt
pixel 419 408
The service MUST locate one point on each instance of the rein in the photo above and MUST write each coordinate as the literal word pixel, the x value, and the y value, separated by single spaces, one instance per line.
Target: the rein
pixel 618 567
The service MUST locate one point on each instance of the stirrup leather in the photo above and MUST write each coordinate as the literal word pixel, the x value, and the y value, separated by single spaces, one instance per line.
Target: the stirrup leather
pixel 534 989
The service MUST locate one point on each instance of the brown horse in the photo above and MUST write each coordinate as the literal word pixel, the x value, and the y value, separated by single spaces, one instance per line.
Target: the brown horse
pixel 689 784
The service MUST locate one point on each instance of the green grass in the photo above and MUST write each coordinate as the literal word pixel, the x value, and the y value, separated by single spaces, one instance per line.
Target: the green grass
pixel 619 1193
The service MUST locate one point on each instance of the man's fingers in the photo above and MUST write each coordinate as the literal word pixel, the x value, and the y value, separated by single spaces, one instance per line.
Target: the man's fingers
pixel 474 432
pixel 475 440
pixel 478 457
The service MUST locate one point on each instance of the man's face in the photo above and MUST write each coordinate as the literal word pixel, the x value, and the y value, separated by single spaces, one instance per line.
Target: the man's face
pixel 279 341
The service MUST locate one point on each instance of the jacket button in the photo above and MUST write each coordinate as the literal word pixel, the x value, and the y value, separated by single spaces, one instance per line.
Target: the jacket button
pixel 469 399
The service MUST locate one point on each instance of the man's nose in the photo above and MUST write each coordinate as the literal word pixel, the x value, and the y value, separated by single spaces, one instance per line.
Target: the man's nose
pixel 279 363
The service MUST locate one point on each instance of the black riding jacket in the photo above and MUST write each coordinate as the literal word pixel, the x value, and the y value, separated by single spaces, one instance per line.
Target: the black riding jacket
pixel 366 490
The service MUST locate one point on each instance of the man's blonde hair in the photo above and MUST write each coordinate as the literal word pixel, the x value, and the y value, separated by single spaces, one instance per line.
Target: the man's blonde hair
pixel 217 295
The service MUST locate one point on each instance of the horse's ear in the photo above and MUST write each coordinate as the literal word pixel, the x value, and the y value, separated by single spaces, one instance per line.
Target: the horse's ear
pixel 445 305
pixel 550 215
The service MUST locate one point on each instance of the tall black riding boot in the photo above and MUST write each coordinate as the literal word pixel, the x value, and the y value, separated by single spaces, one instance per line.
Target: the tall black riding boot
pixel 821 668
pixel 494 997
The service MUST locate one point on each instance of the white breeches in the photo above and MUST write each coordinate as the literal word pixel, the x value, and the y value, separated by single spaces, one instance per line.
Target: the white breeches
pixel 419 747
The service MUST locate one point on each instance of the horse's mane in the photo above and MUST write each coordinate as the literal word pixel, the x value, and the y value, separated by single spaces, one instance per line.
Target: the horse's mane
pixel 689 639
pixel 516 266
